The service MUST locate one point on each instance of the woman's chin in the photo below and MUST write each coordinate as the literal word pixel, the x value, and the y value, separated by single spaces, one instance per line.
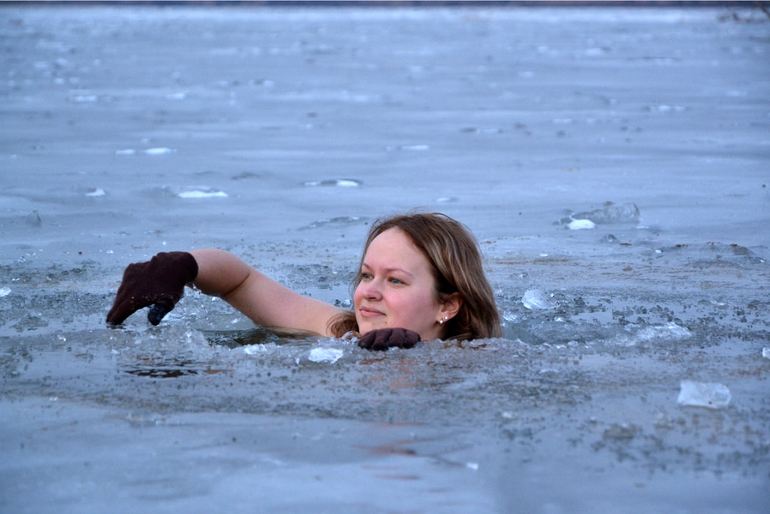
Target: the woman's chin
pixel 365 326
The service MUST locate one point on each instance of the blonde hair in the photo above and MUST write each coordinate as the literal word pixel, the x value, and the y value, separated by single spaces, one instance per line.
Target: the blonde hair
pixel 455 260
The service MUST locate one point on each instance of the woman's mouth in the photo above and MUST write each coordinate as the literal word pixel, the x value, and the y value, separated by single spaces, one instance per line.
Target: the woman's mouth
pixel 367 312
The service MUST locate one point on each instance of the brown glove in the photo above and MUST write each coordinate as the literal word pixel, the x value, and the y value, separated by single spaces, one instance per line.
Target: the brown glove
pixel 158 282
pixel 383 338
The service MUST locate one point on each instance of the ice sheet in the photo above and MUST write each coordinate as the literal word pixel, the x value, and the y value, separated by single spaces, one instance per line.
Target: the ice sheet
pixel 281 135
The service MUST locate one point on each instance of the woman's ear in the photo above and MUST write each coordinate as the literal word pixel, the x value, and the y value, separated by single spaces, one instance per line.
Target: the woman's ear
pixel 451 306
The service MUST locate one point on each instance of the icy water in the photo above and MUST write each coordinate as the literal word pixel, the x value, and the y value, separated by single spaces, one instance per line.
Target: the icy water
pixel 612 162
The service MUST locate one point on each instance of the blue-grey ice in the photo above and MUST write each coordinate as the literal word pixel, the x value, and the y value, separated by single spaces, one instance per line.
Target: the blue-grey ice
pixel 282 134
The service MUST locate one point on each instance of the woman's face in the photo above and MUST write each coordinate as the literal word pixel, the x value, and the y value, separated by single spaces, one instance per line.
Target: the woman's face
pixel 397 288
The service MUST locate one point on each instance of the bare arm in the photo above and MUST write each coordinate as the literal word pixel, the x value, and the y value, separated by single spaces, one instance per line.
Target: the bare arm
pixel 262 299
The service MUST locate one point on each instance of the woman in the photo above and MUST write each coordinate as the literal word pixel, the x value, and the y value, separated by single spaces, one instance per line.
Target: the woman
pixel 420 278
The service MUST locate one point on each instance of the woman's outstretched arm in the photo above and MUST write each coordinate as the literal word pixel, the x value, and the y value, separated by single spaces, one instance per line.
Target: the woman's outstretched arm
pixel 159 283
pixel 262 299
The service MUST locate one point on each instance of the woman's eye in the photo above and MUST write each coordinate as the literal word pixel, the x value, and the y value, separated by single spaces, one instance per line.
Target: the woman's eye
pixel 366 276
pixel 395 281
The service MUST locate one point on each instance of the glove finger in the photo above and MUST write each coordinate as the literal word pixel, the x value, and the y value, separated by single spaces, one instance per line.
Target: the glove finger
pixel 397 338
pixel 158 311
pixel 125 302
pixel 366 340
pixel 411 339
pixel 381 339
pixel 123 308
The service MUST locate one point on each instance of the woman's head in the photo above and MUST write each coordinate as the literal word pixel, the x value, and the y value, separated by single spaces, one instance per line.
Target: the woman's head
pixel 423 272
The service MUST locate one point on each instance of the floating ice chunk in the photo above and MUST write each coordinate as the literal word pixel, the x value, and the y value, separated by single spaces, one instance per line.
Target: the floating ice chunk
pixel 410 148
pixel 534 299
pixel 338 221
pixel 261 349
pixel 472 465
pixel 477 130
pixel 621 213
pixel 159 151
pixel 127 151
pixel 96 191
pixel 703 394
pixel 510 317
pixel 344 182
pixel 177 96
pixel 581 224
pixel 667 332
pixel 620 432
pixel 81 99
pixel 4 291
pixel 34 219
pixel 202 192
pixel 765 351
pixel 330 355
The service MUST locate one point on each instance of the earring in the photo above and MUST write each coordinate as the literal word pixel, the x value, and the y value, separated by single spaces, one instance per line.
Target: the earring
pixel 442 320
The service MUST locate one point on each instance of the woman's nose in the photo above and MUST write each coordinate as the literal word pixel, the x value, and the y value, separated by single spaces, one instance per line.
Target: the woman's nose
pixel 371 290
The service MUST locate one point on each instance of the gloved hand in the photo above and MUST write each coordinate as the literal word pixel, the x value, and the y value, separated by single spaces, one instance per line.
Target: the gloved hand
pixel 383 338
pixel 158 282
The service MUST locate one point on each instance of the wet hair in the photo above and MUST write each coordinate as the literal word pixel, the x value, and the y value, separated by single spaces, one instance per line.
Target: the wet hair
pixel 455 260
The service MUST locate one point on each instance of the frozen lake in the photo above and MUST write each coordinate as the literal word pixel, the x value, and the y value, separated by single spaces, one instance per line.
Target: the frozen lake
pixel 613 163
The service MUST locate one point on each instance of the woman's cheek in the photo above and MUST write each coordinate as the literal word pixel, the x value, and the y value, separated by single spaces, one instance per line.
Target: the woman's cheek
pixel 357 297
